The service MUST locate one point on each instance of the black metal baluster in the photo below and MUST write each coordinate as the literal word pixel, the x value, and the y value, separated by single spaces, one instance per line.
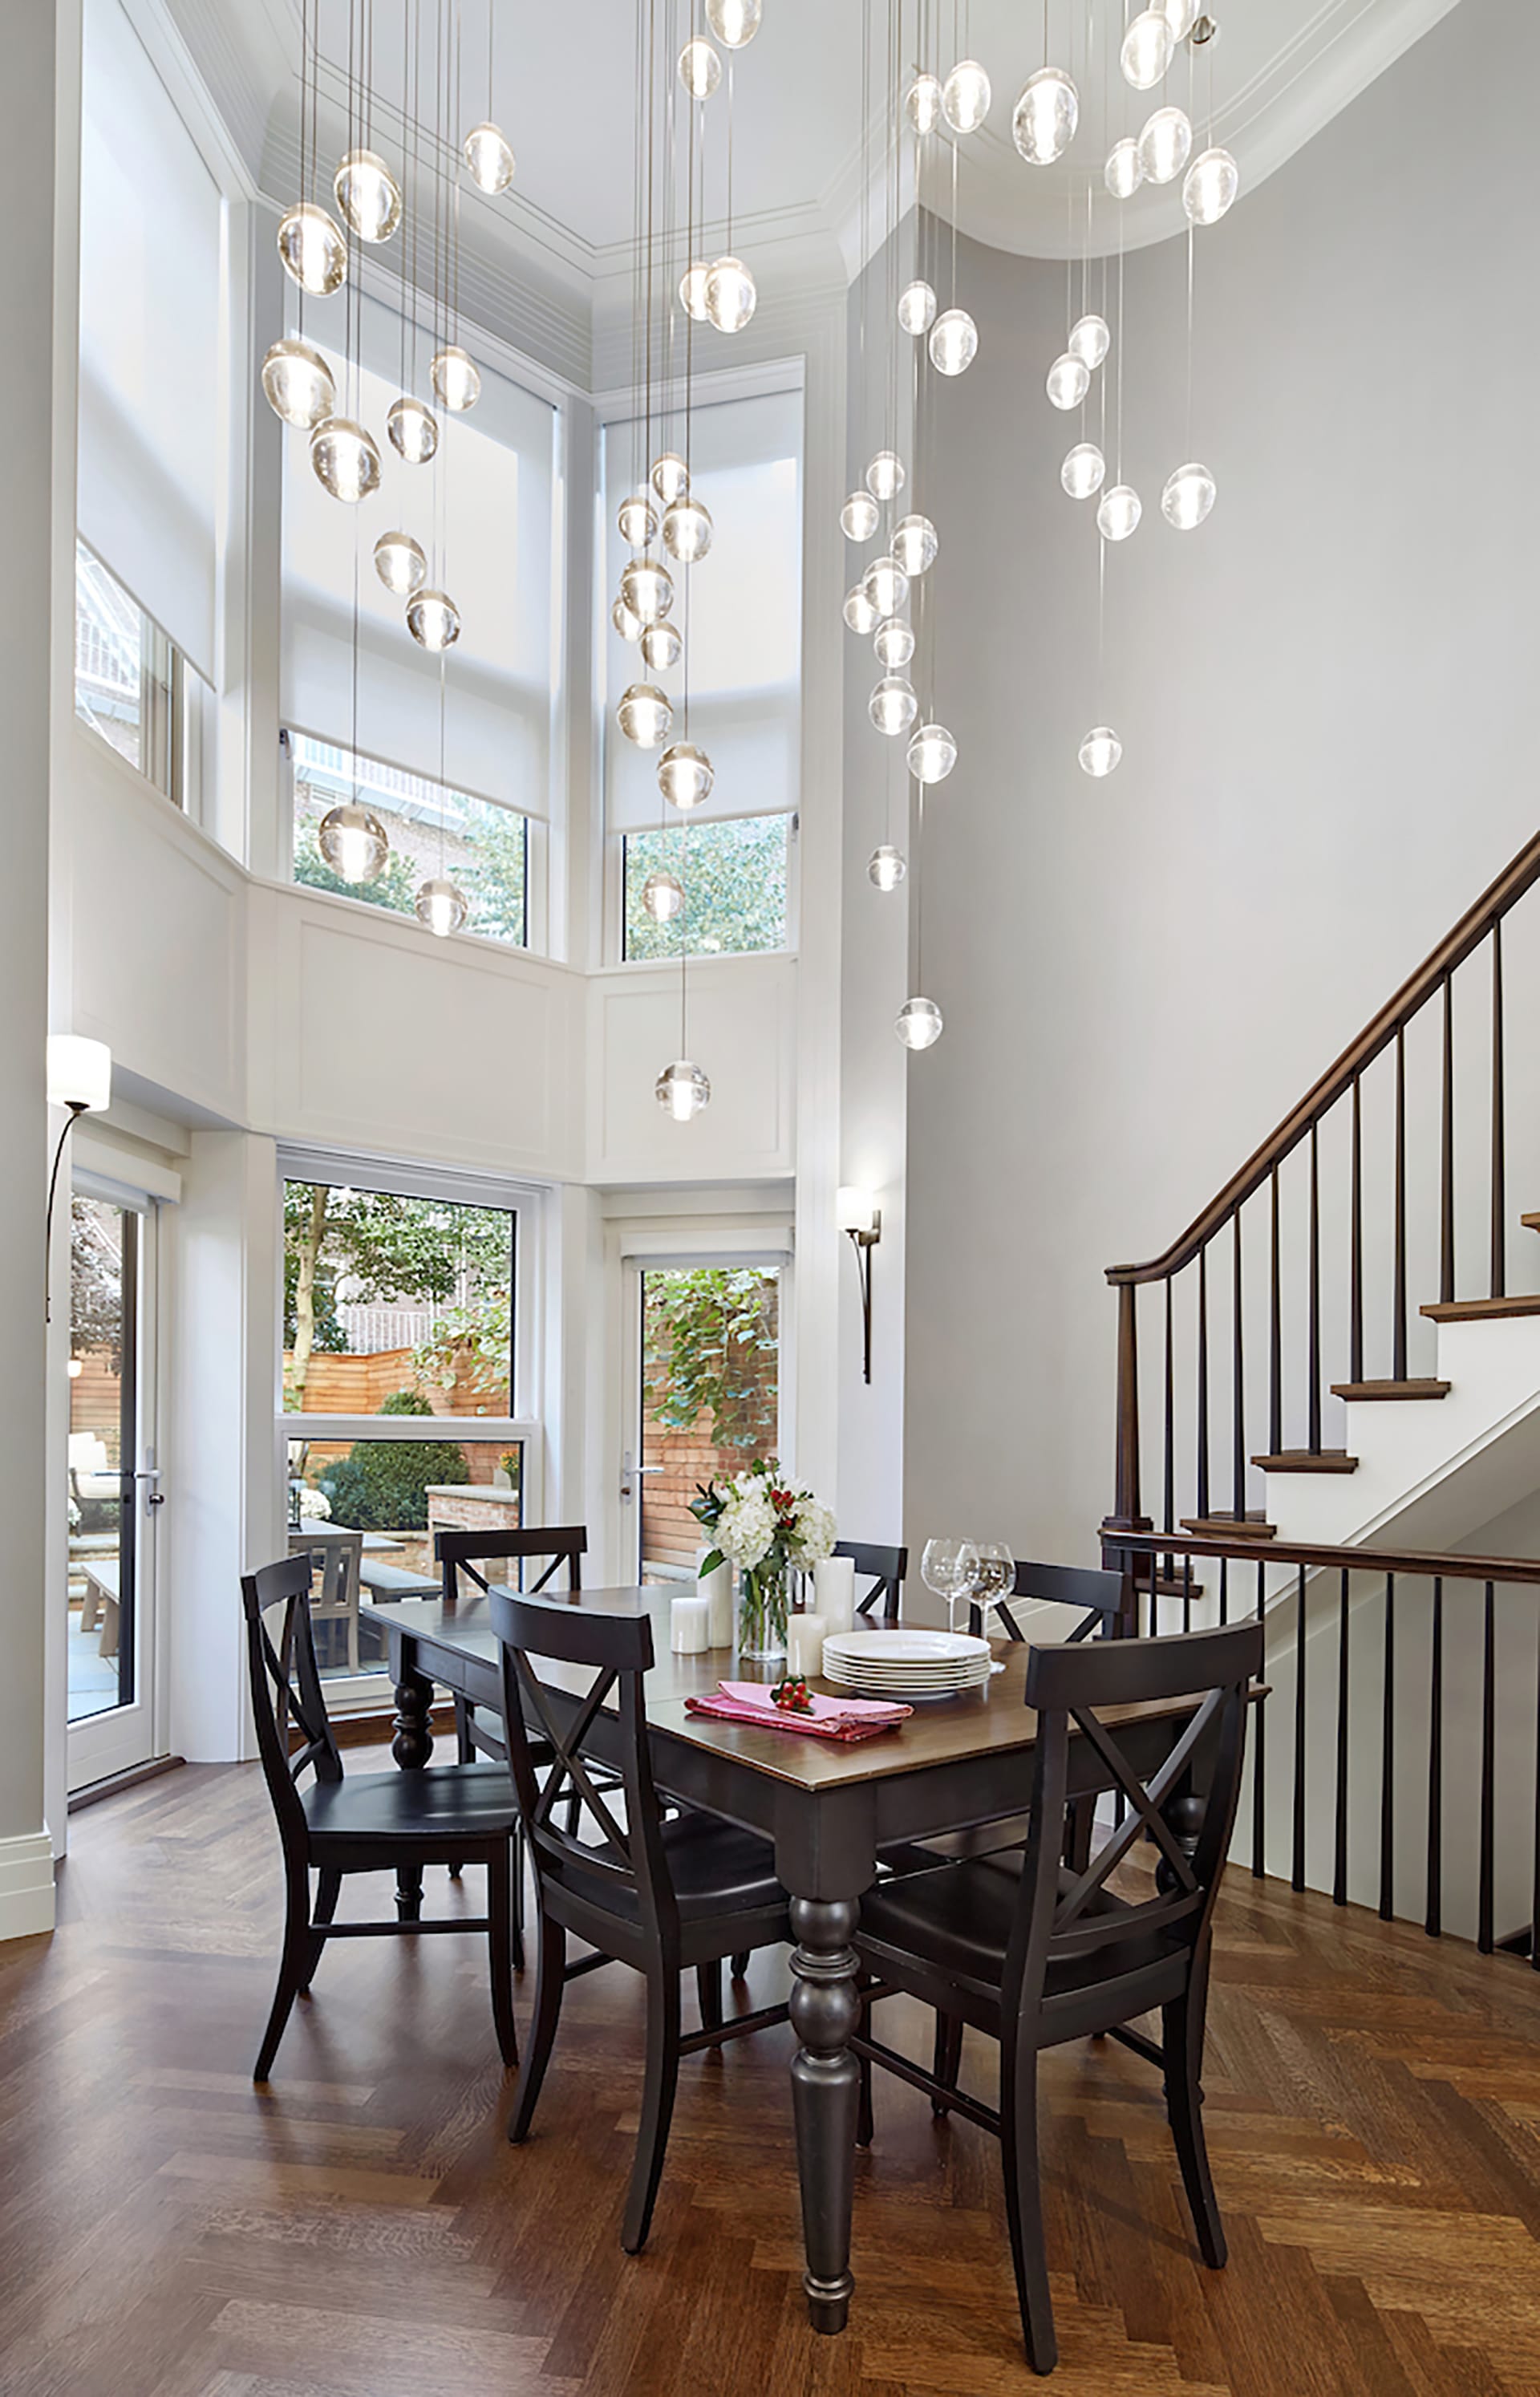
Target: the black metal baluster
pixel 1355 1329
pixel 1314 1442
pixel 1203 1384
pixel 1433 1920
pixel 1298 1875
pixel 1168 1495
pixel 1224 1590
pixel 1488 1731
pixel 1274 1357
pixel 1398 1366
pixel 1237 1391
pixel 1535 1888
pixel 1499 1174
pixel 1339 1870
pixel 1186 1593
pixel 1446 1154
pixel 1259 1743
pixel 1388 1758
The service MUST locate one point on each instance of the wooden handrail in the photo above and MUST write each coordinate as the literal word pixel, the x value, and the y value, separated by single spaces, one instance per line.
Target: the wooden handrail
pixel 1377 1034
pixel 1414 1562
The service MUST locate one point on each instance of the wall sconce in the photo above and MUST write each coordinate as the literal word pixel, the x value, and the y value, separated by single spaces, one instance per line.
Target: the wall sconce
pixel 857 1212
pixel 80 1078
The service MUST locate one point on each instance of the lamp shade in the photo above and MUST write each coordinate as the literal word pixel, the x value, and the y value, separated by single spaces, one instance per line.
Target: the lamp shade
pixel 80 1072
pixel 854 1210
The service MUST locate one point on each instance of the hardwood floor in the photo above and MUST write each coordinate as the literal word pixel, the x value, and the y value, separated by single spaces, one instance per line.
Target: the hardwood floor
pixel 363 2228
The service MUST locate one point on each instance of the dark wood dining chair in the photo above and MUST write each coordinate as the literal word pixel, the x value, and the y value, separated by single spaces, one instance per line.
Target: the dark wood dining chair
pixel 887 1567
pixel 372 1822
pixel 460 1552
pixel 1033 1952
pixel 1106 1599
pixel 657 1894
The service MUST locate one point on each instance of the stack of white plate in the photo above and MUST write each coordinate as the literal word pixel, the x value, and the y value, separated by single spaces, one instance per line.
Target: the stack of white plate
pixel 904 1664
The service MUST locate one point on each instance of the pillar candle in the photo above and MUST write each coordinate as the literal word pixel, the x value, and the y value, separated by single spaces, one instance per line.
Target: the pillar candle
pixel 805 1635
pixel 690 1625
pixel 716 1589
pixel 833 1591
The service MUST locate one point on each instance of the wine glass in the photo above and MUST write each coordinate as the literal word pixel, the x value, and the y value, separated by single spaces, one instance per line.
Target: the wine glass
pixel 949 1568
pixel 996 1578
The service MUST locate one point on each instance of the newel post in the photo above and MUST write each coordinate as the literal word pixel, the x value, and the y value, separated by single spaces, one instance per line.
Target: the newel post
pixel 1126 1514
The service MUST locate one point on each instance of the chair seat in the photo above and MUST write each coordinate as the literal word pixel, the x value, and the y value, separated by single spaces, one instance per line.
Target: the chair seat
pixel 446 1801
pixel 958 1918
pixel 716 1869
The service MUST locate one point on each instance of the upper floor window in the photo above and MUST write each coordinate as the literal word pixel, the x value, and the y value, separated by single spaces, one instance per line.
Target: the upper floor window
pixel 433 830
pixel 134 686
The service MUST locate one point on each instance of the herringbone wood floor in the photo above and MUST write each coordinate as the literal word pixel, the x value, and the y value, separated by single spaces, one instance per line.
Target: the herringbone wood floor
pixel 364 2227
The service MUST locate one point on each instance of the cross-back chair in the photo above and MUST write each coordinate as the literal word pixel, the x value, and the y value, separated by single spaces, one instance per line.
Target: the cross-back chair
pixel 1033 1951
pixel 1107 1598
pixel 336 1824
pixel 659 1893
pixel 465 1551
pixel 887 1567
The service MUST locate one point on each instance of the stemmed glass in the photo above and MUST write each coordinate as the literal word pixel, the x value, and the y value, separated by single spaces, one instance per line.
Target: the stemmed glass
pixel 996 1579
pixel 950 1568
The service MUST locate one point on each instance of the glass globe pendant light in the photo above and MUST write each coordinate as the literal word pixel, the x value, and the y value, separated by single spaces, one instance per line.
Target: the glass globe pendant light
pixel 1165 145
pixel 860 516
pixel 344 457
pixel 732 296
pixel 1068 380
pixel 931 754
pixel 915 544
pixel 685 776
pixel 965 96
pixel 413 429
pixel 1189 495
pixel 313 249
pixel 682 1090
pixel 626 622
pixel 367 195
pixel 1083 470
pixel 1209 186
pixel 1089 339
pixel 660 645
pixel 1147 50
pixel 734 22
pixel 400 564
pixel 892 706
pixel 699 68
pixel 646 588
pixel 441 904
pixel 1099 752
pixel 455 378
pixel 918 1024
pixel 692 290
pixel 645 715
pixel 1046 115
pixel 433 620
pixel 297 383
pixel 1119 511
pixel 1180 15
pixel 953 341
pixel 886 866
pixel 887 586
pixel 1124 172
pixel 860 612
pixel 662 895
pixel 352 839
pixel 637 519
pixel 670 477
pixel 894 643
pixel 922 103
pixel 687 530
pixel 489 159
pixel 886 475
pixel 916 308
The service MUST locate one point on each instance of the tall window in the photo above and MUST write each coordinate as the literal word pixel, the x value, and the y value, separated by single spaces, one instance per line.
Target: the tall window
pixel 133 685
pixel 742 607
pixel 482 847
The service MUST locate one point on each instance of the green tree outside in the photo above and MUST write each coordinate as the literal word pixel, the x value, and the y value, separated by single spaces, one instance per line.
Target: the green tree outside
pixel 734 876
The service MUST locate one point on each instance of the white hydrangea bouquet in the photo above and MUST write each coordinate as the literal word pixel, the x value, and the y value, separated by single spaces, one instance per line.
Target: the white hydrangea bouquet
pixel 769 1531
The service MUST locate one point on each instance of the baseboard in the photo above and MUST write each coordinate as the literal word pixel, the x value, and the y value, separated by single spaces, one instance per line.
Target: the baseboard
pixel 115 1783
pixel 26 1886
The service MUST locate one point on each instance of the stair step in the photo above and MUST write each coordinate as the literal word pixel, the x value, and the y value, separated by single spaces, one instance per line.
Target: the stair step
pixel 1308 1460
pixel 1421 1389
pixel 1173 1586
pixel 1479 1310
pixel 1530 1222
pixel 1252 1525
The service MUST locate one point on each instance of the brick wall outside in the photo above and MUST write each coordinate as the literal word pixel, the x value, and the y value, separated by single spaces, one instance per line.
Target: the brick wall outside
pixel 670 1533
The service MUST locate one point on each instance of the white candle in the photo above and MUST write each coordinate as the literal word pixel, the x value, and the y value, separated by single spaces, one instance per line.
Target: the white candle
pixel 690 1625
pixel 834 1590
pixel 716 1589
pixel 805 1635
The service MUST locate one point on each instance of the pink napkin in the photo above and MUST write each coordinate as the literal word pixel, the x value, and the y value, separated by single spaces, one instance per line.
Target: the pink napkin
pixel 831 1718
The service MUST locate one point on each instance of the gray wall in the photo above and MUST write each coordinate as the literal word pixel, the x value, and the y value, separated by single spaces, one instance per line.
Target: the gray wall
pixel 1326 697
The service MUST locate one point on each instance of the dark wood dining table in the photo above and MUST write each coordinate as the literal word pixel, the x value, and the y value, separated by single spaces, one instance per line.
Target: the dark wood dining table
pixel 828 1809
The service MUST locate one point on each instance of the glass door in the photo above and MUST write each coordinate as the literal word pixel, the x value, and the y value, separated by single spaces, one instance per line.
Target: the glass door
pixel 114 1493
pixel 707 1399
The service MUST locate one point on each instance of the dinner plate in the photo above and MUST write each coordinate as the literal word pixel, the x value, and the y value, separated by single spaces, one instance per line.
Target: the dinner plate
pixel 907 1647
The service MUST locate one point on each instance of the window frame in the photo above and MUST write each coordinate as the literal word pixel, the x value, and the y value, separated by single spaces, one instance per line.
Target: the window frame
pixel 175 703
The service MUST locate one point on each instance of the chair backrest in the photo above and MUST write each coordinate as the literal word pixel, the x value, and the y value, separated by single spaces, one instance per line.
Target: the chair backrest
pixel 565 1545
pixel 1060 1921
pixel 588 1851
pixel 887 1567
pixel 285 1686
pixel 1107 1598
pixel 338 1559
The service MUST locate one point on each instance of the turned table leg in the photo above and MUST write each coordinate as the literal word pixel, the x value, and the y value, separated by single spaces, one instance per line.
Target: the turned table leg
pixel 825 2090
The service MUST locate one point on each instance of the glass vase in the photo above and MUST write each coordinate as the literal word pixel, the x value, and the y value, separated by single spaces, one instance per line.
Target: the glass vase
pixel 764 1596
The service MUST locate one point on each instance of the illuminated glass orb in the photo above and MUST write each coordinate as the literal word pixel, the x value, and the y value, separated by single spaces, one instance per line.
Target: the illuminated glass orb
pixel 645 715
pixel 441 904
pixel 692 290
pixel 1119 511
pixel 730 295
pixel 1046 115
pixel 953 341
pixel 1083 470
pixel 1180 15
pixel 860 516
pixel 662 895
pixel 894 643
pixel 886 475
pixel 1147 50
pixel 626 622
pixel 1100 751
pixel 400 564
pixel 413 429
pixel 1089 338
pixel 887 586
pixel 670 477
pixel 1124 172
pixel 455 378
pixel 344 457
pixel 488 158
pixel 916 308
pixel 915 544
pixel 1068 380
pixel 1209 186
pixel 297 383
pixel 687 530
pixel 734 22
pixel 660 646
pixel 892 706
pixel 313 249
pixel 918 1024
pixel 647 587
pixel 352 839
pixel 861 613
pixel 922 103
pixel 1165 145
pixel 367 195
pixel 1189 495
pixel 637 519
pixel 933 752
pixel 684 775
pixel 699 68
pixel 886 866
pixel 965 96
pixel 682 1090
pixel 433 620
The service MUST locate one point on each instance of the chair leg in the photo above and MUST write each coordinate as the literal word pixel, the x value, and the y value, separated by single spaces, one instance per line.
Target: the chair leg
pixel 1023 2201
pixel 293 1966
pixel 740 1963
pixel 464 1746
pixel 500 1941
pixel 516 1868
pixel 708 1989
pixel 328 1889
pixel 662 2075
pixel 864 2128
pixel 946 2062
pixel 1181 2026
pixel 550 1981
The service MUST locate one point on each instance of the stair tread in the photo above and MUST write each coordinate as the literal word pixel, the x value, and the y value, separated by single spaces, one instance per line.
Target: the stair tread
pixel 1308 1460
pixel 1425 1388
pixel 1530 1222
pixel 1252 1525
pixel 1476 1310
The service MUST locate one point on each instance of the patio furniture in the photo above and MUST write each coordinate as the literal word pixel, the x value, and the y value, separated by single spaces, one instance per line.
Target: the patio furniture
pixel 103 1596
pixel 337 1556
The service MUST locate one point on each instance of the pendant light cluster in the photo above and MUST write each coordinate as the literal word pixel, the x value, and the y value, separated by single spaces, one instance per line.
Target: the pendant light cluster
pixel 321 258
